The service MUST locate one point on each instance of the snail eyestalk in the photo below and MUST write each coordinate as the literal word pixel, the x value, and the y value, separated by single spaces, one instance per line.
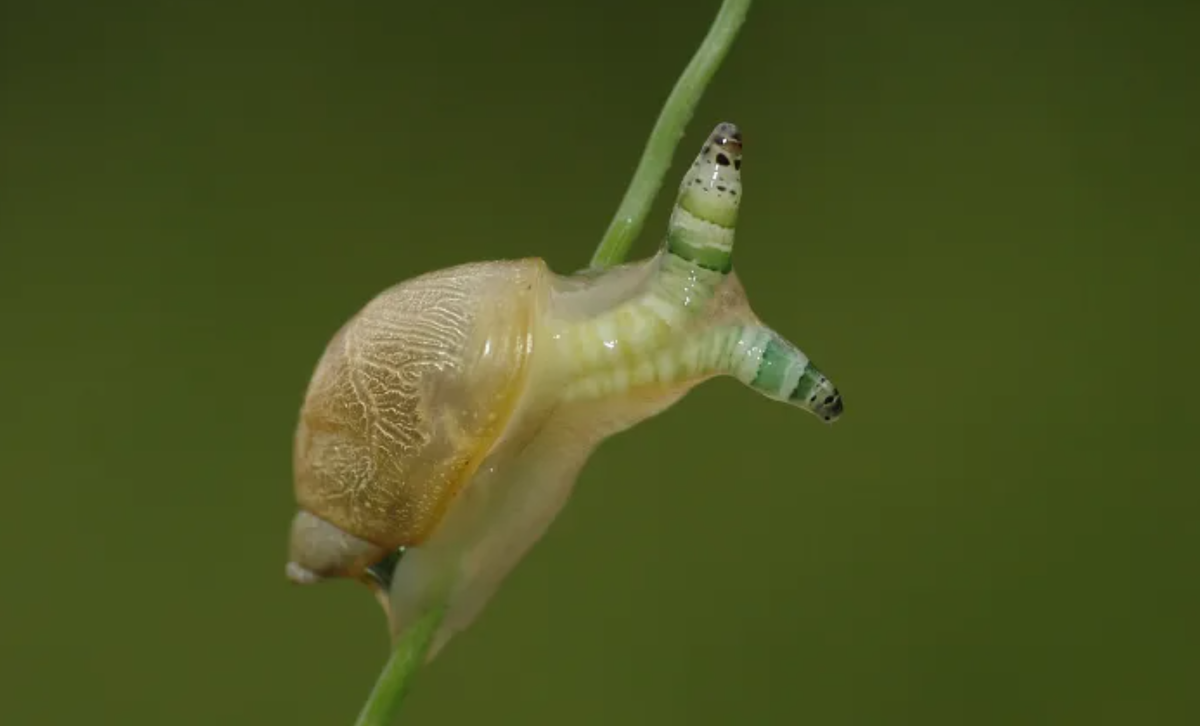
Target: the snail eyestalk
pixel 693 261
pixel 766 362
pixel 705 214
pixel 627 223
pixel 647 342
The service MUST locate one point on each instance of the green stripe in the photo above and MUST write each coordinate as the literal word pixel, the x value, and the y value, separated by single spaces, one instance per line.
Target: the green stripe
pixel 682 243
pixel 808 381
pixel 773 368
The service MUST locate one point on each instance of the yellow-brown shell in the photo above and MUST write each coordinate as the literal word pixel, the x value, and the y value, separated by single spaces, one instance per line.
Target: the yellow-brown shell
pixel 410 395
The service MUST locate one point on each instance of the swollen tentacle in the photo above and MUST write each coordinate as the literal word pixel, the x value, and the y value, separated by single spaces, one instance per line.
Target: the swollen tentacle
pixel 695 257
pixel 698 250
pixel 701 229
pixel 754 354
pixel 780 371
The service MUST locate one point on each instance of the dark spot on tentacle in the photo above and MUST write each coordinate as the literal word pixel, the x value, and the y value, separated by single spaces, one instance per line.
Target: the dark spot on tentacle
pixel 828 400
pixel 705 149
pixel 722 160
pixel 737 163
pixel 812 398
pixel 733 192
pixel 720 187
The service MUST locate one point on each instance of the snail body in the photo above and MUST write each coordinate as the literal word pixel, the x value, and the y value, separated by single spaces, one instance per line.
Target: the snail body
pixel 450 417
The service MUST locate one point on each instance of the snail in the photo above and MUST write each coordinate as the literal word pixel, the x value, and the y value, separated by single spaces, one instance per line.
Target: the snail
pixel 447 421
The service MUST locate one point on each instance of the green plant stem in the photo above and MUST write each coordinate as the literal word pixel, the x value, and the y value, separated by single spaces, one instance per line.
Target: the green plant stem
pixel 668 130
pixel 409 654
pixel 410 650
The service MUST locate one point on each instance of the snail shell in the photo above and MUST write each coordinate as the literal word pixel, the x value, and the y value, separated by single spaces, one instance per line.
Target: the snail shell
pixel 410 395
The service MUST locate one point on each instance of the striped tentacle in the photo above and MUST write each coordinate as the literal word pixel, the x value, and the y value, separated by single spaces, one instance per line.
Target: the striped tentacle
pixel 779 370
pixel 697 254
pixel 700 233
pixel 754 354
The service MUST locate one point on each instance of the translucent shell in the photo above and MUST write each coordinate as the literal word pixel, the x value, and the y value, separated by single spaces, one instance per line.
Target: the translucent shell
pixel 410 396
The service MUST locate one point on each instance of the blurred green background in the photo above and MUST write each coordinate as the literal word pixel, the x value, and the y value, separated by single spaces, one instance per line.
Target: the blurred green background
pixel 978 218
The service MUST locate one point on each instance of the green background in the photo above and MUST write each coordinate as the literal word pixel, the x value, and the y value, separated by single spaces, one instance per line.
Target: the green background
pixel 979 218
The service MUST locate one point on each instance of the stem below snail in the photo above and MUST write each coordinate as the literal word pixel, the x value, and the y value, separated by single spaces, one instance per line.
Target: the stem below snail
pixel 409 654
pixel 668 130
pixel 411 649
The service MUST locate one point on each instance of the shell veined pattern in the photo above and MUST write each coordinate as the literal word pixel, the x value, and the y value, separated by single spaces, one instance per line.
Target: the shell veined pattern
pixel 409 396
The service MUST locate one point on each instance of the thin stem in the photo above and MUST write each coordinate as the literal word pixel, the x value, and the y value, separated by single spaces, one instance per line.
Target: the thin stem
pixel 668 130
pixel 384 702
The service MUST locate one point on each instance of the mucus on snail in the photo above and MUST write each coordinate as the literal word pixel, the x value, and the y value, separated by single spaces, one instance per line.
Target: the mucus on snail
pixel 446 422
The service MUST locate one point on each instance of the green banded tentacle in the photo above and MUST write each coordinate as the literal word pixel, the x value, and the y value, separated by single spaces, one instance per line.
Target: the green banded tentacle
pixel 696 256
pixel 648 342
pixel 782 372
pixel 701 229
pixel 754 354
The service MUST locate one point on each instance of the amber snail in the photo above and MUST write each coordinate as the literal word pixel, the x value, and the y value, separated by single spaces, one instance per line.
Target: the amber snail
pixel 447 421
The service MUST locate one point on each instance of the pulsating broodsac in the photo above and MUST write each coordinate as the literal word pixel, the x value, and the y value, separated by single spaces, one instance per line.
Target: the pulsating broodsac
pixel 450 417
